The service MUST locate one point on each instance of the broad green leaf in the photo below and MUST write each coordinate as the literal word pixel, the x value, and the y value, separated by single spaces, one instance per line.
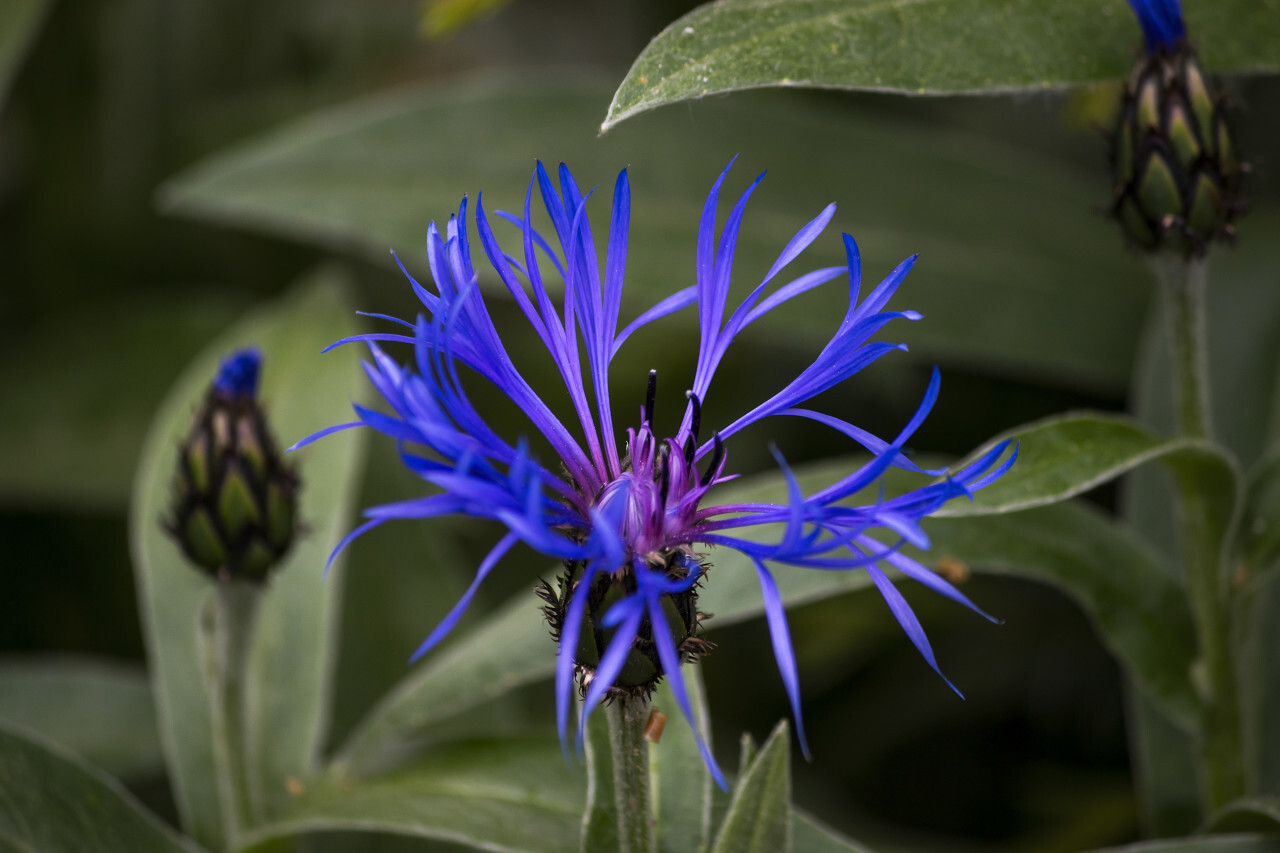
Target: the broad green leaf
pixel 810 836
pixel 1141 613
pixel 1256 631
pixel 1256 548
pixel 100 710
pixel 1252 843
pixel 51 802
pixel 1165 775
pixel 73 422
pixel 509 649
pixel 681 782
pixel 498 795
pixel 1067 455
pixel 931 47
pixel 370 176
pixel 20 21
pixel 759 817
pixel 291 660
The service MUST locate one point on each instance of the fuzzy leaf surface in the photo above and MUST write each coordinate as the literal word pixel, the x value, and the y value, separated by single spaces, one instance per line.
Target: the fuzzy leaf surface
pixel 922 47
pixel 497 795
pixel 1067 455
pixel 808 835
pixel 290 664
pixel 100 710
pixel 759 816
pixel 1138 608
pixel 54 803
pixel 369 176
pixel 682 785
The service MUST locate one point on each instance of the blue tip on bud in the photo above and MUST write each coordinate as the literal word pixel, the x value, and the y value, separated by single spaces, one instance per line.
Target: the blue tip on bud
pixel 1161 22
pixel 238 373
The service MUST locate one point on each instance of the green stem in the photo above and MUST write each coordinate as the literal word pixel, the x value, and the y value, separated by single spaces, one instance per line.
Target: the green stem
pixel 228 634
pixel 1221 749
pixel 630 753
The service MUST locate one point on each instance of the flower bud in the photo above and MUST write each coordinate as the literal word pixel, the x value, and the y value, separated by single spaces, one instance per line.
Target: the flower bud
pixel 1174 165
pixel 643 669
pixel 234 499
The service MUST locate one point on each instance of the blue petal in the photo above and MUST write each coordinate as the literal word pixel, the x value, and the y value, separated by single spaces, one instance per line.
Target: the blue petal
pixel 776 615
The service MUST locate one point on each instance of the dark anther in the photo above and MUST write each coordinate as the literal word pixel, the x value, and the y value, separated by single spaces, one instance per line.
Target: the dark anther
pixel 650 394
pixel 697 413
pixel 717 457
pixel 690 447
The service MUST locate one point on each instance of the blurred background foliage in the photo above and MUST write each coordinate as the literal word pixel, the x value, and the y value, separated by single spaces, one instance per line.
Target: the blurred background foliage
pixel 168 165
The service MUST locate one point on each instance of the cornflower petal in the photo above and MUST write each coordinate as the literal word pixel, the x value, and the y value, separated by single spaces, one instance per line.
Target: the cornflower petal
pixel 780 635
pixel 907 619
pixel 447 624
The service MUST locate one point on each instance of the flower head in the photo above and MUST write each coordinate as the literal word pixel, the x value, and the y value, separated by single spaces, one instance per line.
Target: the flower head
pixel 1176 175
pixel 629 514
pixel 234 502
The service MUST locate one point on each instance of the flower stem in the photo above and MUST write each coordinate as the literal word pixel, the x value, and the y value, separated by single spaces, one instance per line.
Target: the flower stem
pixel 227 634
pixel 630 754
pixel 1221 749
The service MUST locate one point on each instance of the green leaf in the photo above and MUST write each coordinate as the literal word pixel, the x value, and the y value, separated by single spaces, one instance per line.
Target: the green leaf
pixel 52 802
pixel 500 795
pixel 1216 844
pixel 20 21
pixel 1067 455
pixel 71 428
pixel 759 818
pixel 1140 611
pixel 100 710
pixel 931 47
pixel 1256 549
pixel 1251 814
pixel 370 176
pixel 681 782
pixel 509 649
pixel 291 661
pixel 1166 778
pixel 808 835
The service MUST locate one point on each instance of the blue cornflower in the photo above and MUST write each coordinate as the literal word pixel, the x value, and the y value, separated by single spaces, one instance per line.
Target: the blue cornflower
pixel 1161 22
pixel 630 522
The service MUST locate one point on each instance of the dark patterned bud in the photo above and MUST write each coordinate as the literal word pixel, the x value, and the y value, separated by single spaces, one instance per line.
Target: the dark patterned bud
pixel 1177 179
pixel 642 670
pixel 234 499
